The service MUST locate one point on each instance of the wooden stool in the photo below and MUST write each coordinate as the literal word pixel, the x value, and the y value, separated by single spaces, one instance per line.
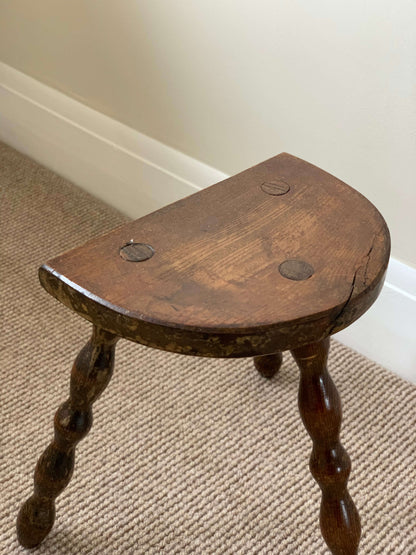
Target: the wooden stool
pixel 278 257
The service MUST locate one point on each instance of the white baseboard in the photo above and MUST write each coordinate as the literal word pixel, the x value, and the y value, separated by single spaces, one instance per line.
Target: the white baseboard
pixel 137 174
pixel 123 167
pixel 386 333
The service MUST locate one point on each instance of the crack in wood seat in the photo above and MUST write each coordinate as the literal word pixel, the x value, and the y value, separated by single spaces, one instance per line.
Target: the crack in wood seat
pixel 278 257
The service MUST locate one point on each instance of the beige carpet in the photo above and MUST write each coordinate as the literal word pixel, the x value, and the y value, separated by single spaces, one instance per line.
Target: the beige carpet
pixel 186 455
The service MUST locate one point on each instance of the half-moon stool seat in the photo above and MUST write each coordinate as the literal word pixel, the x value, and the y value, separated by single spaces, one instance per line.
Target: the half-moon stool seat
pixel 278 257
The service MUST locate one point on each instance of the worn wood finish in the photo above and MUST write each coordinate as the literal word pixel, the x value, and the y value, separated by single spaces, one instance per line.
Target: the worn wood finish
pixel 90 375
pixel 320 408
pixel 268 365
pixel 214 285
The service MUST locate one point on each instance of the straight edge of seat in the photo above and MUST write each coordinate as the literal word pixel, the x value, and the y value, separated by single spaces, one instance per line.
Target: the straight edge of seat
pixel 231 342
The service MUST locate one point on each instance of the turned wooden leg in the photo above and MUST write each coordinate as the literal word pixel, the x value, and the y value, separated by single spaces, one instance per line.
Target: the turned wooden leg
pixel 89 377
pixel 268 365
pixel 320 408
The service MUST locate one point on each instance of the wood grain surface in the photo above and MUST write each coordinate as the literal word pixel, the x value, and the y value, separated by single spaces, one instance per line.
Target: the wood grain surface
pixel 216 283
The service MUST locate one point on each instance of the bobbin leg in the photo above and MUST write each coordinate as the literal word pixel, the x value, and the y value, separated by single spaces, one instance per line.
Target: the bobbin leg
pixel 320 409
pixel 90 375
pixel 268 365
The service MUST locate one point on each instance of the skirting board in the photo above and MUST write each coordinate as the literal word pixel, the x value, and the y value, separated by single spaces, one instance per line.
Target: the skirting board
pixel 138 174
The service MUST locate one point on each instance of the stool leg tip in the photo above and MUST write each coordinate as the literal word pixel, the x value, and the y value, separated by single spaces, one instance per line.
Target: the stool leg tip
pixel 268 365
pixel 35 521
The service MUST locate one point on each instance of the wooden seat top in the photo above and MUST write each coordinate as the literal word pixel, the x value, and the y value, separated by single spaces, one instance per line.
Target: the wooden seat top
pixel 276 256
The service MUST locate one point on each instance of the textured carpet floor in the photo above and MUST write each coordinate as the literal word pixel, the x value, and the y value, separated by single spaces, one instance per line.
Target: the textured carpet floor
pixel 186 455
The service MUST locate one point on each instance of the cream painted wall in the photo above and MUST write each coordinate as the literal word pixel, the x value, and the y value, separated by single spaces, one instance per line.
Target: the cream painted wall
pixel 232 82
